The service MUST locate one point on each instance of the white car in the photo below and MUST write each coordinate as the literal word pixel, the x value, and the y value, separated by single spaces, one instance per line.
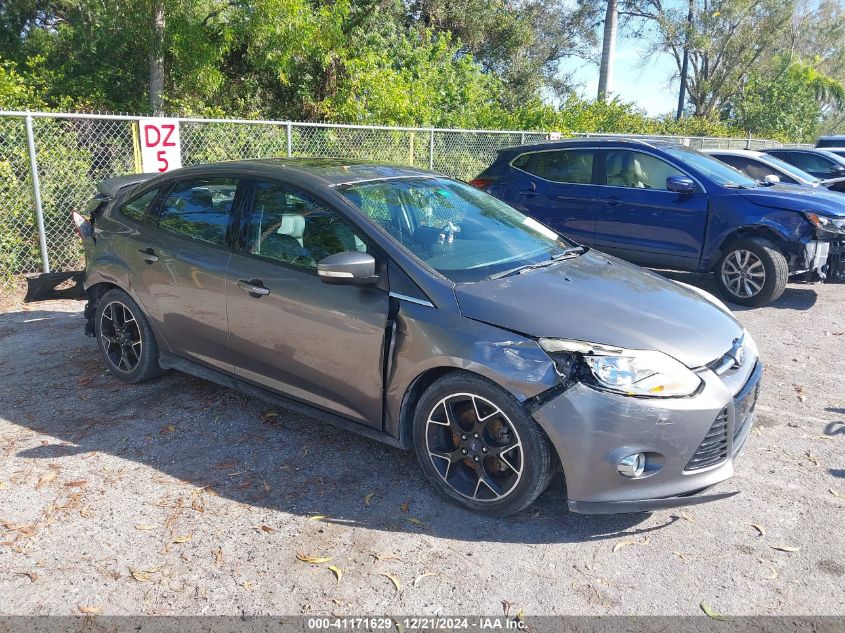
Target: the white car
pixel 767 168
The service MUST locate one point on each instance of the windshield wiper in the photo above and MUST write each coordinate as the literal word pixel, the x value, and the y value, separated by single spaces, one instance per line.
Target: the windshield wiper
pixel 568 253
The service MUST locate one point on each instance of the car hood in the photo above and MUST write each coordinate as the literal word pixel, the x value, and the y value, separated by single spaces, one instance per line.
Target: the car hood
pixel 601 299
pixel 818 199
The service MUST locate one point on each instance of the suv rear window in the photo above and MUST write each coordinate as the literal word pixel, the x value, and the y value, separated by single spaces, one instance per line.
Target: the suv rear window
pixel 574 166
pixel 838 141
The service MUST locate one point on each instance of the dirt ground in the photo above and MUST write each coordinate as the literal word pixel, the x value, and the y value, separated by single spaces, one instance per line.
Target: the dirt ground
pixel 182 497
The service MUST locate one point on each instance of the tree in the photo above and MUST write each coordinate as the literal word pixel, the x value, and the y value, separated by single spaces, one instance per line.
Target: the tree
pixel 725 40
pixel 608 50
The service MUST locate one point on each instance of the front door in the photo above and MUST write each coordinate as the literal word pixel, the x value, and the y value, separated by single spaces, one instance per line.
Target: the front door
pixel 178 263
pixel 289 331
pixel 556 187
pixel 646 223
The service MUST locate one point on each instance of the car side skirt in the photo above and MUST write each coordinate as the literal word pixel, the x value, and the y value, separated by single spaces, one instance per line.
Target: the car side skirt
pixel 171 361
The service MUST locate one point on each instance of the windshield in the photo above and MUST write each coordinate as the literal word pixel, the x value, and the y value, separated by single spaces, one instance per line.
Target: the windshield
pixel 713 168
pixel 461 232
pixel 792 170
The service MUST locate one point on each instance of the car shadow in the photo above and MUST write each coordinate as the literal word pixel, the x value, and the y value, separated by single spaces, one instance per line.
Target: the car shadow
pixel 244 449
pixel 799 295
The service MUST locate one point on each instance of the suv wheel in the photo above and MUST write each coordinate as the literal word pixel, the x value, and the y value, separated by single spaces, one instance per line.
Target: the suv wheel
pixel 125 339
pixel 479 447
pixel 752 272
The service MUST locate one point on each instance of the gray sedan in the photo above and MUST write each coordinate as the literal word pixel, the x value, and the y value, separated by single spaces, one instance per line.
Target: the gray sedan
pixel 420 311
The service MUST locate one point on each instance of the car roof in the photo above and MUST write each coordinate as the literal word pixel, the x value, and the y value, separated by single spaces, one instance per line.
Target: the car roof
pixel 589 141
pixel 751 153
pixel 328 171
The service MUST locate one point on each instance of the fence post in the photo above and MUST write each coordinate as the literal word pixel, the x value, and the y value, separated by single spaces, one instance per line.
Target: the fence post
pixel 431 150
pixel 36 192
pixel 290 139
pixel 522 139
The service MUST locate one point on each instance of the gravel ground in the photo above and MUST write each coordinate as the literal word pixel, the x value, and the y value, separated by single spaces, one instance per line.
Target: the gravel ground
pixel 182 497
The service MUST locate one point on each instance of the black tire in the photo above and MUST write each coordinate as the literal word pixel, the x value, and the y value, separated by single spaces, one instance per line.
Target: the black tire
pixel 130 352
pixel 496 411
pixel 769 260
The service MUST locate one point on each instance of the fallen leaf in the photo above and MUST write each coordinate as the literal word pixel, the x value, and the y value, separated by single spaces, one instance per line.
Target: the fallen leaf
pixel 520 615
pixel 30 574
pixel 369 498
pixel 413 520
pixel 394 580
pixel 419 578
pixel 318 517
pixel 182 539
pixel 197 506
pixel 384 557
pixel 800 392
pixel 89 610
pixel 680 555
pixel 338 572
pixel 835 493
pixel 144 526
pixel 85 381
pixel 686 517
pixel 263 528
pixel 315 560
pixel 78 483
pixel 218 556
pixel 506 607
pixel 139 575
pixel 46 478
pixel 622 544
pixel 773 575
pixel 85 512
pixel 786 548
pixel 405 506
pixel 230 464
pixel 813 459
pixel 305 451
pixel 759 528
pixel 170 428
pixel 265 485
pixel 269 416
pixel 2 485
pixel 710 612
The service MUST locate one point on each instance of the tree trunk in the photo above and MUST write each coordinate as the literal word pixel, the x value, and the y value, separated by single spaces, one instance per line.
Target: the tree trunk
pixel 157 60
pixel 608 51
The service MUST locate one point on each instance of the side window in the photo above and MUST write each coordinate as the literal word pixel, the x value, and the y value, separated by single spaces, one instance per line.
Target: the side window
pixel 638 170
pixel 574 166
pixel 289 227
pixel 751 168
pixel 136 208
pixel 200 208
pixel 811 162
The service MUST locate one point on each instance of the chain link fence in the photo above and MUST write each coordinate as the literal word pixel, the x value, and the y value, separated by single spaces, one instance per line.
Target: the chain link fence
pixel 73 152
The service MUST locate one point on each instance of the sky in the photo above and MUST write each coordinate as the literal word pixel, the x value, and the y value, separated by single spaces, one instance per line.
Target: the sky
pixel 648 85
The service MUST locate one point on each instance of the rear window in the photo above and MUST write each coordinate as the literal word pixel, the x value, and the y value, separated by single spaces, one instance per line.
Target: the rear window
pixel 200 209
pixel 838 141
pixel 136 208
pixel 574 166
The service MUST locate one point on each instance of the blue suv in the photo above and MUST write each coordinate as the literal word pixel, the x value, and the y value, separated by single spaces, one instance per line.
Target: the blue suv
pixel 663 205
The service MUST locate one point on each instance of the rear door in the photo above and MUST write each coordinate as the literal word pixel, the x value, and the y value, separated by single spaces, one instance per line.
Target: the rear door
pixel 645 222
pixel 289 331
pixel 815 164
pixel 556 187
pixel 178 267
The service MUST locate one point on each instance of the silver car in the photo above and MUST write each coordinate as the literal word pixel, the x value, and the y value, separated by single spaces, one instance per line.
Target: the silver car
pixel 420 311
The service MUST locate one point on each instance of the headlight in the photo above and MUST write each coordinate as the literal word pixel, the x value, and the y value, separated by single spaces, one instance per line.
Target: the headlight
pixel 826 223
pixel 626 371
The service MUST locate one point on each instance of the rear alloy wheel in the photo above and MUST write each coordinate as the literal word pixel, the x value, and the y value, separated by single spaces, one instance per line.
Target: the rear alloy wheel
pixel 479 447
pixel 124 337
pixel 752 272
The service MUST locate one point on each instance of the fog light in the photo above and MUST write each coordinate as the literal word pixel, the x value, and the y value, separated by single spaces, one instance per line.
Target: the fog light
pixel 632 465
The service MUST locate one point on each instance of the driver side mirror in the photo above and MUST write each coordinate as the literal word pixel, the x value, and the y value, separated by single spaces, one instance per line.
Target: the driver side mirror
pixel 772 179
pixel 680 184
pixel 837 171
pixel 349 268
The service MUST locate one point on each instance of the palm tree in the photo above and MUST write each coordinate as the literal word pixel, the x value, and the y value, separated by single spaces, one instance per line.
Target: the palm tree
pixel 608 51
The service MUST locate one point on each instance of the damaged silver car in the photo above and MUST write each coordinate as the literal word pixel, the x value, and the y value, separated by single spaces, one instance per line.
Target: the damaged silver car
pixel 420 311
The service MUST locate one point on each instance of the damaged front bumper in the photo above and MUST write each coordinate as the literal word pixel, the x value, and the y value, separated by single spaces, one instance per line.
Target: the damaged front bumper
pixel 689 444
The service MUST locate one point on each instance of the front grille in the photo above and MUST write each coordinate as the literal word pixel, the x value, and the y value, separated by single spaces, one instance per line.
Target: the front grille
pixel 714 447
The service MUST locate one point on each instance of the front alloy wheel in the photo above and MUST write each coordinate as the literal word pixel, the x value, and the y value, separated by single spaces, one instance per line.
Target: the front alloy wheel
pixel 479 446
pixel 752 271
pixel 474 447
pixel 124 337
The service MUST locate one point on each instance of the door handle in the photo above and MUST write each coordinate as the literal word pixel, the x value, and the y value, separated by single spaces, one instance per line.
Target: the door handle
pixel 530 191
pixel 148 255
pixel 254 287
pixel 613 201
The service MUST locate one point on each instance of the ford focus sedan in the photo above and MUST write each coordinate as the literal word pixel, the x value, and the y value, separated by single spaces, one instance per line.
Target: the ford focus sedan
pixel 420 311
